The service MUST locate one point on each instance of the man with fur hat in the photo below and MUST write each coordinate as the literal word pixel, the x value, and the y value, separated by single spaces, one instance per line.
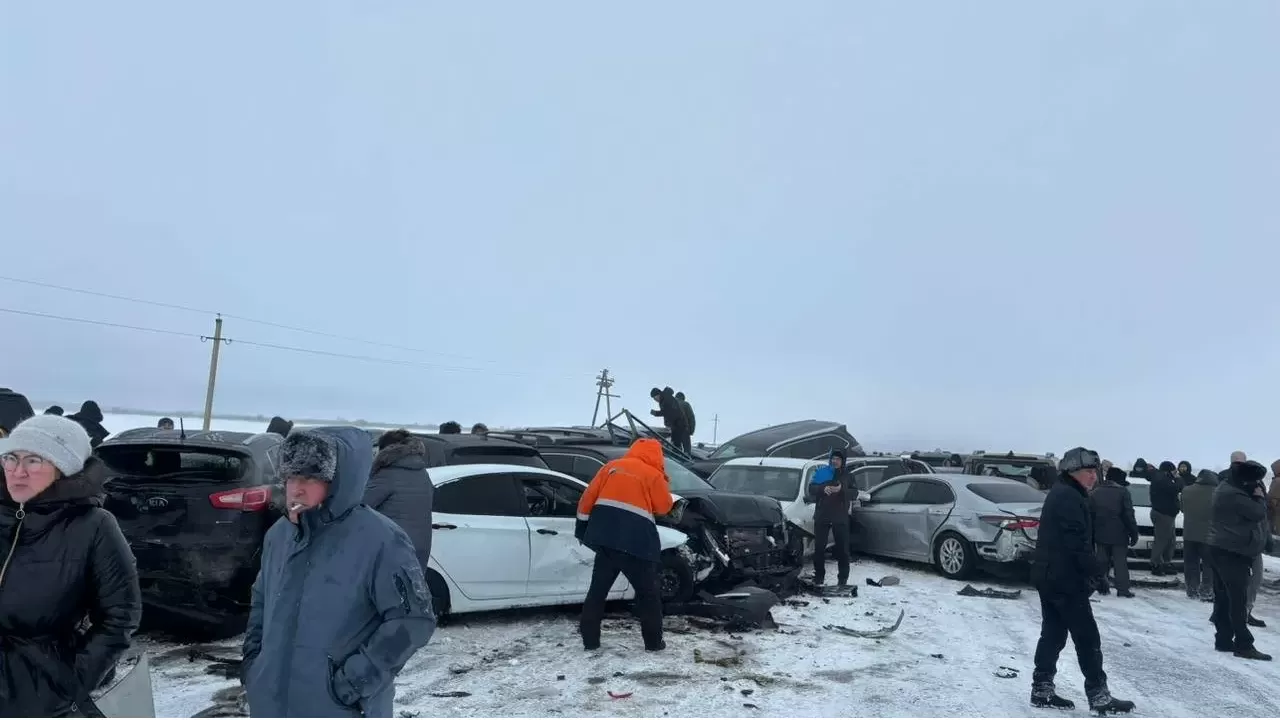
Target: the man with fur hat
pixel 401 489
pixel 1165 507
pixel 1115 529
pixel 340 604
pixel 1065 573
pixel 1236 537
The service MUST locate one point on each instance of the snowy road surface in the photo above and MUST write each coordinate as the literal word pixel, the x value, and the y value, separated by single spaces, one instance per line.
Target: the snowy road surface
pixel 1158 649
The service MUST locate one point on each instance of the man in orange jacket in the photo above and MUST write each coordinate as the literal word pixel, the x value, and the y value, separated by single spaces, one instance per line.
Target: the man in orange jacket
pixel 616 520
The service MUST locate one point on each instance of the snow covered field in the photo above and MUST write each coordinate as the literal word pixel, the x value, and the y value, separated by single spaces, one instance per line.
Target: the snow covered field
pixel 944 661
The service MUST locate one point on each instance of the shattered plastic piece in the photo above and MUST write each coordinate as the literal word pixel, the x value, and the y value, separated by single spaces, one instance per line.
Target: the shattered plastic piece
pixel 753 706
pixel 559 677
pixel 872 634
pixel 618 696
pixel 451 694
pixel 886 581
pixel 1006 674
pixel 746 692
pixel 936 655
pixel 459 669
pixel 596 680
pixel 971 591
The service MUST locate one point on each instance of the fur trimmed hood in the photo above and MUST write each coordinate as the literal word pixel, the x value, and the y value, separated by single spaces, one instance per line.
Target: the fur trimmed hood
pixel 409 449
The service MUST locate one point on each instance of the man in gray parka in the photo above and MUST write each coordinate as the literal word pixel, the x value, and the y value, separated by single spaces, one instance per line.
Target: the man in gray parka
pixel 340 604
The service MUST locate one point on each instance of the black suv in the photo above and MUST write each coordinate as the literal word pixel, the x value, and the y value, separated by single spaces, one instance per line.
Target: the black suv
pixel 746 535
pixel 195 507
pixel 1038 471
pixel 804 439
pixel 460 449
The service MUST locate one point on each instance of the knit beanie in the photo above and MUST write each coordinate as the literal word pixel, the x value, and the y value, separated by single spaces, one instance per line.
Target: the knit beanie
pixel 59 440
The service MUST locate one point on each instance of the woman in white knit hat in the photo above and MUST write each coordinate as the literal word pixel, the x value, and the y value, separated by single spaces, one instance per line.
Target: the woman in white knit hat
pixel 64 560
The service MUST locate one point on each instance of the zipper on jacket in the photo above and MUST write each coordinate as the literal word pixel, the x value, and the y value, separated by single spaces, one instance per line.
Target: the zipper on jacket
pixel 17 532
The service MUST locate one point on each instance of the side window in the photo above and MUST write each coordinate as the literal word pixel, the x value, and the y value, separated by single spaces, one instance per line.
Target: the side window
pixel 868 477
pixel 929 493
pixel 895 493
pixel 559 463
pixel 549 497
pixel 585 468
pixel 491 494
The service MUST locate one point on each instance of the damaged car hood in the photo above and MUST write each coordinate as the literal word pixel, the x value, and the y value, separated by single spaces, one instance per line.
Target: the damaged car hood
pixel 735 509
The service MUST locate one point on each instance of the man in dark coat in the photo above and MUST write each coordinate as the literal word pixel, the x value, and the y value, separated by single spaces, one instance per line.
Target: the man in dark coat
pixel 90 418
pixel 1197 509
pixel 829 490
pixel 688 413
pixel 1065 572
pixel 1235 538
pixel 1115 529
pixel 1164 512
pixel 401 489
pixel 340 603
pixel 673 417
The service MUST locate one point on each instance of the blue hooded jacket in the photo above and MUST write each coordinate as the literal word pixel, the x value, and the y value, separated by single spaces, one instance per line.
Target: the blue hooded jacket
pixel 340 604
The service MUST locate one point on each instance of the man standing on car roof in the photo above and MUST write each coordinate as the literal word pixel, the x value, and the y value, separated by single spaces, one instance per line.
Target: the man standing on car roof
pixel 340 603
pixel 616 520
pixel 673 417
pixel 689 417
pixel 1065 573
pixel 1115 529
pixel 829 490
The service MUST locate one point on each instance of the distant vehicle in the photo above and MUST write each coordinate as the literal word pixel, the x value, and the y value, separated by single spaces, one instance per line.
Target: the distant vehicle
pixel 950 521
pixel 14 408
pixel 940 460
pixel 745 534
pixel 468 449
pixel 503 537
pixel 1140 491
pixel 803 440
pixel 195 507
pixel 1038 471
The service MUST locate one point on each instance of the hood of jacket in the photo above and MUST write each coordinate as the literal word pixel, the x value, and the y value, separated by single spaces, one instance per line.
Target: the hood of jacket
pixel 649 452
pixel 410 455
pixel 1207 477
pixel 1116 476
pixel 1140 468
pixel 90 411
pixel 1187 471
pixel 1168 467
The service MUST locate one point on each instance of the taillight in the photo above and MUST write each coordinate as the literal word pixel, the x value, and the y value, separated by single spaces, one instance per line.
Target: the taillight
pixel 1005 522
pixel 246 499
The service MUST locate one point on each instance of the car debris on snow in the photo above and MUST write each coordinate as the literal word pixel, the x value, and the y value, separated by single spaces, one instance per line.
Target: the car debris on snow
pixel 971 591
pixel 886 581
pixel 451 694
pixel 1006 672
pixel 870 634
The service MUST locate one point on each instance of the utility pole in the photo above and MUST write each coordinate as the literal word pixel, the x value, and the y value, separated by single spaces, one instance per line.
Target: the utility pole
pixel 715 428
pixel 213 370
pixel 603 384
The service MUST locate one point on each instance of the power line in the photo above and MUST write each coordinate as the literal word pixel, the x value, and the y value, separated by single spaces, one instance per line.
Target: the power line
pixel 273 346
pixel 242 318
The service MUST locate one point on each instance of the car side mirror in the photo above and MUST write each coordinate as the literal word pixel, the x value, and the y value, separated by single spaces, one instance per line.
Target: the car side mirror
pixel 864 497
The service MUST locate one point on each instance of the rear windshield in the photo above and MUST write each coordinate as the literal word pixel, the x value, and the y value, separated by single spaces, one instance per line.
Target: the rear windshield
pixel 777 483
pixel 167 462
pixel 1010 492
pixel 492 454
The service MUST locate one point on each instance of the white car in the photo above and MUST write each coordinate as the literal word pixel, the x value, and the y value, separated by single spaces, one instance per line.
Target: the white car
pixel 502 537
pixel 1140 491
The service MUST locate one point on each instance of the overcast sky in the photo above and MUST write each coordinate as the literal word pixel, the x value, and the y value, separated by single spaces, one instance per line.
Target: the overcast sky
pixel 969 225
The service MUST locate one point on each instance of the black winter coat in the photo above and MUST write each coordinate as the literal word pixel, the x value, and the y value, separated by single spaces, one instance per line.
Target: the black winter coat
pixel 673 417
pixel 1111 506
pixel 1239 520
pixel 68 562
pixel 1064 561
pixel 689 417
pixel 1164 494
pixel 401 489
pixel 90 418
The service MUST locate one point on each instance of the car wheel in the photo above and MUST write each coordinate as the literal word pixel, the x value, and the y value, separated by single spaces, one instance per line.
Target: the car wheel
pixel 439 595
pixel 954 556
pixel 676 578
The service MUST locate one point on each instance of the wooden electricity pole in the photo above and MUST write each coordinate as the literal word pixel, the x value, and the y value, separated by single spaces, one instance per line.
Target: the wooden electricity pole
pixel 715 428
pixel 213 370
pixel 603 384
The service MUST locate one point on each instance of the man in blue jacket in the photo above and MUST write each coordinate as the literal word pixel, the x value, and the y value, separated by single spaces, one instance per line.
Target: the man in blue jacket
pixel 340 604
pixel 829 491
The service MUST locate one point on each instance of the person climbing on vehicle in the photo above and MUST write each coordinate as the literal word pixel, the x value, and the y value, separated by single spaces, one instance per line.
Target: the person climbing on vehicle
pixel 90 418
pixel 401 489
pixel 1236 537
pixel 64 559
pixel 673 417
pixel 689 417
pixel 616 520
pixel 1115 529
pixel 1065 573
pixel 829 490
pixel 340 603
pixel 1165 507
pixel 1197 509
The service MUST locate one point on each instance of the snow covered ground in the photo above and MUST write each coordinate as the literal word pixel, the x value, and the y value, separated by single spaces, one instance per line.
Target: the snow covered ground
pixel 944 661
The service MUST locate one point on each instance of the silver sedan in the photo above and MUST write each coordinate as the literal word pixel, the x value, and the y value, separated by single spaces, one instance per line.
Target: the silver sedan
pixel 948 520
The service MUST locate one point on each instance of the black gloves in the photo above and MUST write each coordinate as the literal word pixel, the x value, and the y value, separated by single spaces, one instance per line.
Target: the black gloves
pixel 1133 540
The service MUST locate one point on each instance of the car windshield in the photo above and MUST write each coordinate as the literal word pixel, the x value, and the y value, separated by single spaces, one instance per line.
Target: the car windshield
pixel 682 478
pixel 1010 492
pixel 1141 495
pixel 777 483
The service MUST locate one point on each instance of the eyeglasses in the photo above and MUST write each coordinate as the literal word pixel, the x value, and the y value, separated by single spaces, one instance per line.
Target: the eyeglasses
pixel 30 463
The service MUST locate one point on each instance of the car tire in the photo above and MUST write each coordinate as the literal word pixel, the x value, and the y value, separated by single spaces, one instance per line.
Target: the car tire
pixel 439 596
pixel 675 578
pixel 954 556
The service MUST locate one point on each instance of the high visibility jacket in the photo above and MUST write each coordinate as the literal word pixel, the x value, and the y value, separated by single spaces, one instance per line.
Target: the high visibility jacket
pixel 617 510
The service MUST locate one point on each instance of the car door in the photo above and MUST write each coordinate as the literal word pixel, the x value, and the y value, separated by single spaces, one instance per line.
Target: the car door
pixel 559 565
pixel 479 536
pixel 928 504
pixel 877 517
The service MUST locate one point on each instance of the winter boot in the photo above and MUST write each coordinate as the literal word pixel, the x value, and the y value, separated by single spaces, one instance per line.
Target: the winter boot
pixel 1255 622
pixel 1044 695
pixel 1125 593
pixel 1253 654
pixel 1101 702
